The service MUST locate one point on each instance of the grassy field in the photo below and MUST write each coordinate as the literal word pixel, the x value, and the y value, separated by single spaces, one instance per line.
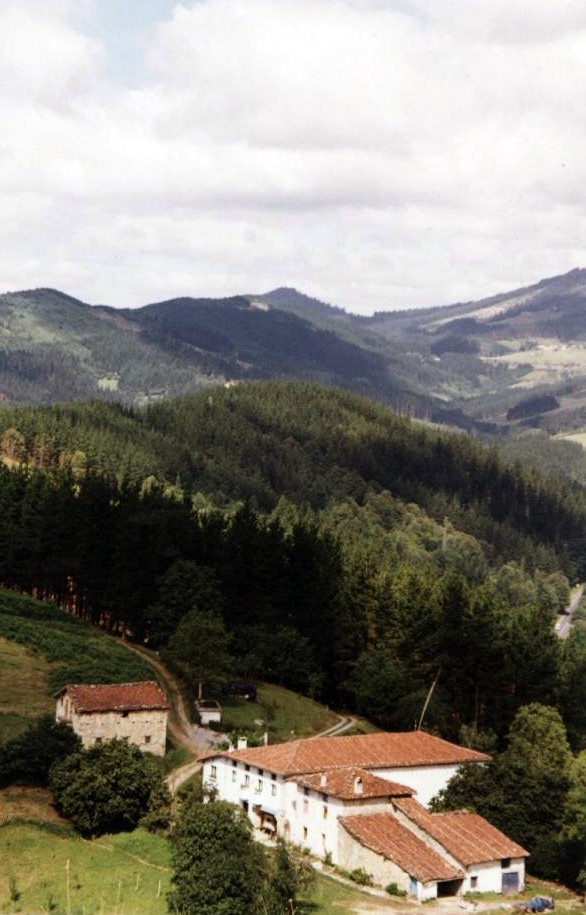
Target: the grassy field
pixel 129 874
pixel 126 874
pixel 329 897
pixel 47 870
pixel 578 437
pixel 285 714
pixel 24 688
pixel 62 647
pixel 550 361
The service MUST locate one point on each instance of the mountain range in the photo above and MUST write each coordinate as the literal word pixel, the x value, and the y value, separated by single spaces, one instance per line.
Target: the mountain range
pixel 515 358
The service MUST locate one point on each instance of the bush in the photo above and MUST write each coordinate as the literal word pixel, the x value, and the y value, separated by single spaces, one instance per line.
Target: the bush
pixel 393 890
pixel 359 875
pixel 110 788
pixel 27 759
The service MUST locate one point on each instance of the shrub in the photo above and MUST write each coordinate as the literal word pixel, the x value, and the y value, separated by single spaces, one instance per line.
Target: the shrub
pixel 27 759
pixel 393 890
pixel 360 876
pixel 110 788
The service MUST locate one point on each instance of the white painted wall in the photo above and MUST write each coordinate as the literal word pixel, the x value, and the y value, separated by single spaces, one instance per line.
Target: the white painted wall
pixel 296 811
pixel 425 780
pixel 490 876
pixel 238 783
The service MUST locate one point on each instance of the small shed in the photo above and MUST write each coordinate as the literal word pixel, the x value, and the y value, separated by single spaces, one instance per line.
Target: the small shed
pixel 242 689
pixel 209 711
pixel 136 712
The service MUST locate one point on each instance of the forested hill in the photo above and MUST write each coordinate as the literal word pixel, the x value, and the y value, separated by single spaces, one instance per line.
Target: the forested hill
pixel 320 449
pixel 55 349
pixel 305 536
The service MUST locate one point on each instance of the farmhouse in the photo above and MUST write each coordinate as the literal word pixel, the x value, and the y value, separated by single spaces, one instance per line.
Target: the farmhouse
pixel 353 799
pixel 136 712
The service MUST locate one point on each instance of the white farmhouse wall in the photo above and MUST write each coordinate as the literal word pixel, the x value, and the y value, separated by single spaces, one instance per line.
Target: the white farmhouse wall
pixel 489 876
pixel 248 787
pixel 425 780
pixel 313 817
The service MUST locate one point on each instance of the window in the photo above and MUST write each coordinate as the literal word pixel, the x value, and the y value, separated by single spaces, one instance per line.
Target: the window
pixel 98 739
pixel 260 771
pixel 234 775
pixel 147 738
pixel 259 785
pixel 294 805
pixel 473 883
pixel 306 792
pixel 305 832
pixel 213 772
pixel 305 806
pixel 325 812
pixel 246 781
pixel 234 763
pixel 506 862
pixel 273 790
pixel 274 777
pixel 247 768
pixel 125 714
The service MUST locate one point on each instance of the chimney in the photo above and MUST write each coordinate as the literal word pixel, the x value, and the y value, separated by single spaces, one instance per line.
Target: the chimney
pixel 242 743
pixel 358 785
pixel 323 780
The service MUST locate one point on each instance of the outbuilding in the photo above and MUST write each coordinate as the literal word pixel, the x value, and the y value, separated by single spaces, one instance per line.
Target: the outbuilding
pixel 136 712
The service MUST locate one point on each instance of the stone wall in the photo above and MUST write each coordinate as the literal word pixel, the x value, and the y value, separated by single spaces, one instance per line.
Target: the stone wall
pixel 146 729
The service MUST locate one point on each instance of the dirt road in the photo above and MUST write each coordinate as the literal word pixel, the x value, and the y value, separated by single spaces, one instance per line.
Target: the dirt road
pixel 180 726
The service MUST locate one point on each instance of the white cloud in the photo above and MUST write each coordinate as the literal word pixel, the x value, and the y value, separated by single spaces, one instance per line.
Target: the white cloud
pixel 378 154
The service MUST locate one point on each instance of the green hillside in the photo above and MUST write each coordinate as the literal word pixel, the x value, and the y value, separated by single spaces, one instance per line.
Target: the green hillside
pixel 55 348
pixel 41 649
pixel 343 551
pixel 472 365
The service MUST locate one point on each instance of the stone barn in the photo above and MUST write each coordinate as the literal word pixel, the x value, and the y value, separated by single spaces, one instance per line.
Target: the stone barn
pixel 136 712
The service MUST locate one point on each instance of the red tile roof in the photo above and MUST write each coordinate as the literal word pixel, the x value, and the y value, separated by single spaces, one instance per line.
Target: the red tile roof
pixel 366 751
pixel 468 837
pixel 342 783
pixel 383 834
pixel 115 697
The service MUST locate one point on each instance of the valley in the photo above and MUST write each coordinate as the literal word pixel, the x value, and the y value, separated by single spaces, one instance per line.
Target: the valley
pixel 336 552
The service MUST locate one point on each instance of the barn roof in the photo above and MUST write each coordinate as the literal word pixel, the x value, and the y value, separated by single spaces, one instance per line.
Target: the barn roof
pixel 468 837
pixel 367 751
pixel 383 834
pixel 115 697
pixel 341 783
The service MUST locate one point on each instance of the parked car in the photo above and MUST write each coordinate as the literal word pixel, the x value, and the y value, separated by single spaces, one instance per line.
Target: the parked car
pixel 537 904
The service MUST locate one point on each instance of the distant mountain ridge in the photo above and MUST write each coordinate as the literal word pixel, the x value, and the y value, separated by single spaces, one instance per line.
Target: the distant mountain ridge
pixel 466 363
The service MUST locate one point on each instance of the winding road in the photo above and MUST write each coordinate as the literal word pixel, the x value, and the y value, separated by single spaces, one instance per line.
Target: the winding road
pixel 181 727
pixel 564 623
pixel 179 724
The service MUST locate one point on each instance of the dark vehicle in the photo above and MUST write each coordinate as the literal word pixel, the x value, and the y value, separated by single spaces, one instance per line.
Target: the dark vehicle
pixel 242 689
pixel 537 904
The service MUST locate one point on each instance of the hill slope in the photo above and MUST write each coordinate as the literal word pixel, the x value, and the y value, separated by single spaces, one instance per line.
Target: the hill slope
pixel 472 364
pixel 367 543
pixel 315 446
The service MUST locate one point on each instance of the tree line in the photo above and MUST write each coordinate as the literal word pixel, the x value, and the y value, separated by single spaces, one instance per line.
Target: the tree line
pixel 290 602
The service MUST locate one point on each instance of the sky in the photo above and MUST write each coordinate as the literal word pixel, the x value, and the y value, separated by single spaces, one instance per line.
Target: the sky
pixel 376 154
